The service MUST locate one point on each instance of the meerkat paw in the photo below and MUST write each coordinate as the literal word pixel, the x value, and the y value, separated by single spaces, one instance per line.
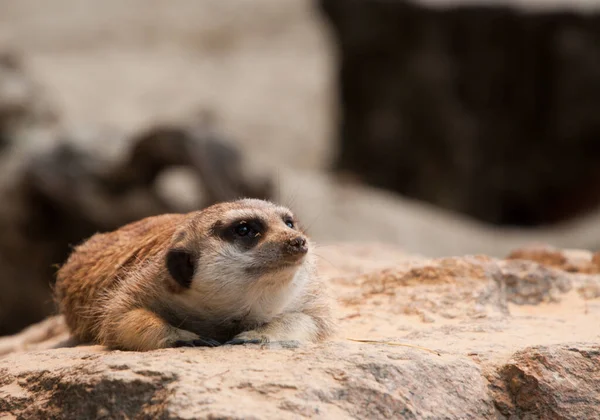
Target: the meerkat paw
pixel 292 327
pixel 184 338
pixel 198 342
pixel 143 330
pixel 265 341
pixel 250 337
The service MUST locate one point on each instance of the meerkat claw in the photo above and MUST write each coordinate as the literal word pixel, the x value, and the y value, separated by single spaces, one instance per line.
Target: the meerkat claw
pixel 237 341
pixel 199 342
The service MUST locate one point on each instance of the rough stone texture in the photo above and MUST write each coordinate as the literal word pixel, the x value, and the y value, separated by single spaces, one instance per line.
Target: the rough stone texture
pixel 550 382
pixel 472 106
pixel 567 260
pixel 440 338
pixel 331 381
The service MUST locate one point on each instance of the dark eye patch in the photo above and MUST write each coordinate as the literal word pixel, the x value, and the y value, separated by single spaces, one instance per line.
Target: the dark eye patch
pixel 245 232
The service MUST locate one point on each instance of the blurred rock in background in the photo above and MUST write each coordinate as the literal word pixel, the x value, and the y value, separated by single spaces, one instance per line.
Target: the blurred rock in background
pixel 264 68
pixel 487 110
pixel 22 102
pixel 60 187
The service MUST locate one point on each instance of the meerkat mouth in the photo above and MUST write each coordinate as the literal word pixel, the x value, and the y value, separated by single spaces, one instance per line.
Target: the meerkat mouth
pixel 279 265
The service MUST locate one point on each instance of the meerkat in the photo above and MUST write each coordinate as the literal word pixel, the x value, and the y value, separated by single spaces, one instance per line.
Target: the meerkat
pixel 233 273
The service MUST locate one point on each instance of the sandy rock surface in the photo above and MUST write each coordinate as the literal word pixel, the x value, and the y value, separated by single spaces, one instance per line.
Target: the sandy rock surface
pixel 460 337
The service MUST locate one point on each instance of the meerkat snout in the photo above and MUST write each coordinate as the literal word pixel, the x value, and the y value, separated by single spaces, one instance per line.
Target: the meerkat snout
pixel 296 247
pixel 234 272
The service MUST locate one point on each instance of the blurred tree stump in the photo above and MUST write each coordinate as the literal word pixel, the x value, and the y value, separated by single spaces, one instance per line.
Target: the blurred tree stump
pixel 482 109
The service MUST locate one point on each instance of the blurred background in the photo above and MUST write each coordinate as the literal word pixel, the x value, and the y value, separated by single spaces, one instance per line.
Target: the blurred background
pixel 436 126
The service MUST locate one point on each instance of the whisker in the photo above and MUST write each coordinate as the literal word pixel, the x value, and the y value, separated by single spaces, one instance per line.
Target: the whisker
pixel 309 226
pixel 326 260
pixel 288 200
pixel 319 246
pixel 183 321
pixel 278 184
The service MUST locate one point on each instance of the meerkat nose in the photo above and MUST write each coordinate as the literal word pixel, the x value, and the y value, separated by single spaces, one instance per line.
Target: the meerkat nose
pixel 297 246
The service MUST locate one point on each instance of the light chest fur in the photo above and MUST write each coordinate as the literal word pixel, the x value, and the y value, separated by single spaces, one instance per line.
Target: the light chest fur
pixel 244 305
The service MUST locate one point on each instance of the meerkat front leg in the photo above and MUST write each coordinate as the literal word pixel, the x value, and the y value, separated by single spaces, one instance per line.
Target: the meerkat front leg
pixel 292 326
pixel 141 329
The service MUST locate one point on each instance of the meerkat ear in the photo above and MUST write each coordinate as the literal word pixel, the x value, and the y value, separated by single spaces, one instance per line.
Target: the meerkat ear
pixel 181 266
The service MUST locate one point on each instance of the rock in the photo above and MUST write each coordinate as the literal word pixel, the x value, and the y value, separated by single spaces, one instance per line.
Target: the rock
pixel 330 381
pixel 51 332
pixel 575 261
pixel 550 382
pixel 216 162
pixel 472 106
pixel 531 284
pixel 417 338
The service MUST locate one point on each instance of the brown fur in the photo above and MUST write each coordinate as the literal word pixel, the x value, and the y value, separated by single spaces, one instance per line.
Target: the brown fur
pixel 115 289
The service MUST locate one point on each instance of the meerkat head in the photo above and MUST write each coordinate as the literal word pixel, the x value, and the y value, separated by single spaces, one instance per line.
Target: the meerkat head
pixel 236 246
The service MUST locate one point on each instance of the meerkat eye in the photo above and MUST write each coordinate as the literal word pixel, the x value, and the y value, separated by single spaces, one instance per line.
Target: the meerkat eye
pixel 289 223
pixel 244 229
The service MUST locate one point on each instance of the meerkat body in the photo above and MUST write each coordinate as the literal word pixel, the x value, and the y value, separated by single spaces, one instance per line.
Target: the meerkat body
pixel 232 273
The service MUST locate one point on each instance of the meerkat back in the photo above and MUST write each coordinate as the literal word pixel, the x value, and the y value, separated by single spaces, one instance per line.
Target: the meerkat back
pixel 97 265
